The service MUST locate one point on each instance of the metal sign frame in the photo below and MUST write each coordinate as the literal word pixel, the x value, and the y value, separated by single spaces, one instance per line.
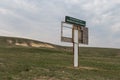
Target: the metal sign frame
pixel 82 33
pixel 79 35
pixel 63 38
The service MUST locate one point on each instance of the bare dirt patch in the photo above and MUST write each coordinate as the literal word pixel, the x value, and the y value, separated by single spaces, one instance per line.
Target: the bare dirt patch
pixel 84 67
pixel 21 44
pixel 45 78
pixel 41 45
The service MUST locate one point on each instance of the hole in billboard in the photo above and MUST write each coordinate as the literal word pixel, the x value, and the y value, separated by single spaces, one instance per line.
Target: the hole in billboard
pixel 66 32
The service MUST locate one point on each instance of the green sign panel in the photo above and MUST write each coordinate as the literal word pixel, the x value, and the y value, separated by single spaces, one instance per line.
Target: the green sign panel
pixel 75 21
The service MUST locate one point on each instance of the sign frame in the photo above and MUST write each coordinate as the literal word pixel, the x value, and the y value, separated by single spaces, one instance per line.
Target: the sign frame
pixel 82 33
pixel 79 35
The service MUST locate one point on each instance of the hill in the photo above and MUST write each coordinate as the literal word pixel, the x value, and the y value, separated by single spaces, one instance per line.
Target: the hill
pixel 14 41
pixel 33 63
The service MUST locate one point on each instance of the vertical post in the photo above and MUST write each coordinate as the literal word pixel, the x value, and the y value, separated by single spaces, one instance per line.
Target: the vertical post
pixel 75 45
pixel 61 30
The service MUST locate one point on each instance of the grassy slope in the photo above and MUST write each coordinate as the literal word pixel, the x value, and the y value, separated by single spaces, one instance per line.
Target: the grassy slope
pixel 20 63
pixel 4 41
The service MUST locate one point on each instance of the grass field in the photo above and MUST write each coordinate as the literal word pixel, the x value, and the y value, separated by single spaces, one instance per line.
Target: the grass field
pixel 23 63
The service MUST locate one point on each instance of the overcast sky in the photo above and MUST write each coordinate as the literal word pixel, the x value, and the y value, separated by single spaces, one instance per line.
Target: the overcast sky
pixel 41 19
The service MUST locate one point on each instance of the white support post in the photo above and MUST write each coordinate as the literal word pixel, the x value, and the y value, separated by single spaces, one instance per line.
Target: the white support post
pixel 75 46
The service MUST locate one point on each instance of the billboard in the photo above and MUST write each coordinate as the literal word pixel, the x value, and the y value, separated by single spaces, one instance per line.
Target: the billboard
pixel 82 34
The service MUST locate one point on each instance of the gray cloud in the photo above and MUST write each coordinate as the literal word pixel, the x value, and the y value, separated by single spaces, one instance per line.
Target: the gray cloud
pixel 41 19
